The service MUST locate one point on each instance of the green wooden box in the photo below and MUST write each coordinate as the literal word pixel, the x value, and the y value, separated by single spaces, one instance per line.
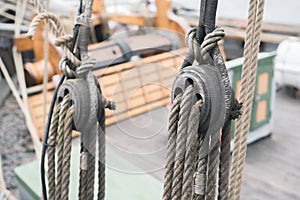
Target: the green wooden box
pixel 263 101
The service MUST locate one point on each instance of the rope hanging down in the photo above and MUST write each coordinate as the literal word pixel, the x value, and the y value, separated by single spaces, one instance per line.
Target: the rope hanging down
pixel 197 164
pixel 255 19
pixel 80 106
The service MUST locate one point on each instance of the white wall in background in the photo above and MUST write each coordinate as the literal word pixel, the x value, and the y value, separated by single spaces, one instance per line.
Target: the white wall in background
pixel 277 11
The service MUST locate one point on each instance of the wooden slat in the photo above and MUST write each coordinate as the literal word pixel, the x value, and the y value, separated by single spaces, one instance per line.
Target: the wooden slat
pixel 128 19
pixel 237 31
pixel 266 27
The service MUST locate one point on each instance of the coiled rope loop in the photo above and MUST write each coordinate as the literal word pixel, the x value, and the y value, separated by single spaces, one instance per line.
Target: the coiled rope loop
pixel 56 29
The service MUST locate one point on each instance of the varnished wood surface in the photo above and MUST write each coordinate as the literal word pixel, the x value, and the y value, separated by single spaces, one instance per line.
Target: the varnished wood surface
pixel 272 168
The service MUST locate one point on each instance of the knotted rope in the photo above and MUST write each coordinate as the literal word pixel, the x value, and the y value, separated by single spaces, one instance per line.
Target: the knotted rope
pixel 56 29
pixel 255 19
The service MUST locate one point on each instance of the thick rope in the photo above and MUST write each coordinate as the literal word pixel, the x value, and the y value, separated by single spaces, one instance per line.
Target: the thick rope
pixel 253 31
pixel 51 153
pixel 224 165
pixel 188 178
pixel 185 108
pixel 101 161
pixel 61 131
pixel 60 144
pixel 183 146
pixel 201 175
pixel 213 163
pixel 192 147
pixel 56 29
pixel 83 172
pixel 91 170
pixel 68 125
pixel 62 123
pixel 173 125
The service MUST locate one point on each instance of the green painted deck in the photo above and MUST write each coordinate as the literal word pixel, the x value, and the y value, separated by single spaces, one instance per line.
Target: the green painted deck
pixel 122 179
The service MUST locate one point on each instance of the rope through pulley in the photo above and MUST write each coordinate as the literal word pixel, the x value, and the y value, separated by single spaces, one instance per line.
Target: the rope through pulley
pixel 80 106
pixel 198 149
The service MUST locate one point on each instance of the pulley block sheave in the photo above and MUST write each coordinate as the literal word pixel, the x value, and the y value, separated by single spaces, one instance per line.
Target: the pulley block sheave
pixel 208 86
pixel 87 103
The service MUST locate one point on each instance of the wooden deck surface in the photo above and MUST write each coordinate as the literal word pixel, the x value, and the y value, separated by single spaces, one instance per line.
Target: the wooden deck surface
pixel 272 168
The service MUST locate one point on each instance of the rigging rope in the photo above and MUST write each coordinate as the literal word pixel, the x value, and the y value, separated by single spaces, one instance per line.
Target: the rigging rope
pixel 198 151
pixel 193 168
pixel 252 41
pixel 61 131
pixel 80 106
pixel 56 29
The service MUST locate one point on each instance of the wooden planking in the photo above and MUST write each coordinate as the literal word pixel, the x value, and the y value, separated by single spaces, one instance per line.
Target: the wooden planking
pixel 272 166
pixel 237 33
pixel 266 27
pixel 136 87
pixel 138 20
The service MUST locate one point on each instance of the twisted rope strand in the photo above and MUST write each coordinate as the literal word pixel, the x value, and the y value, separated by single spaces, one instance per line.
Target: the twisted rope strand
pixel 67 153
pixel 60 144
pixel 56 29
pixel 249 100
pixel 213 163
pixel 101 161
pixel 201 174
pixel 224 165
pixel 173 125
pixel 51 153
pixel 83 173
pixel 91 175
pixel 185 108
pixel 243 94
pixel 192 146
pixel 243 123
